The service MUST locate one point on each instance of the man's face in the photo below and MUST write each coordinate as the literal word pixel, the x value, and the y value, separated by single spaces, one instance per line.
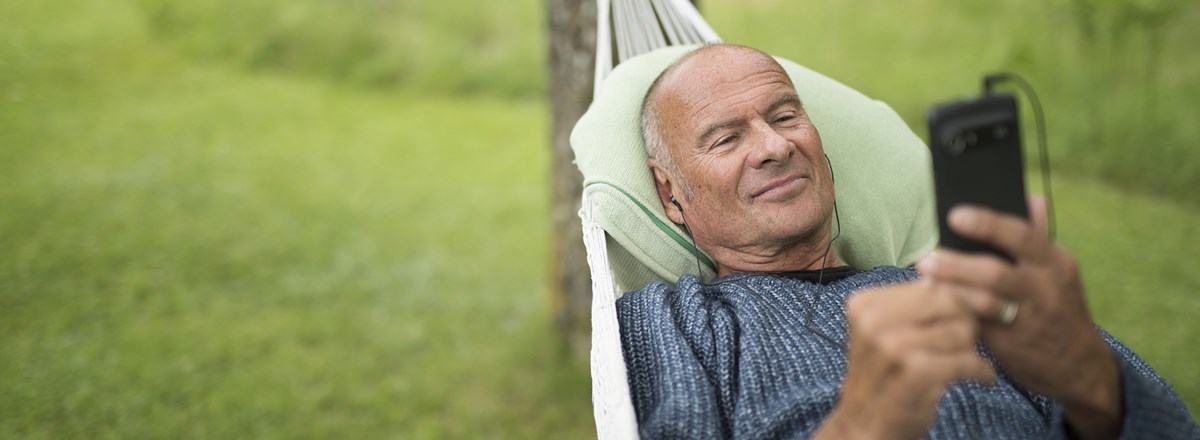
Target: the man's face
pixel 753 161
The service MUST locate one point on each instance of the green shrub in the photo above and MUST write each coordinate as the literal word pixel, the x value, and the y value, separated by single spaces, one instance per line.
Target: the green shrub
pixel 446 47
pixel 1118 77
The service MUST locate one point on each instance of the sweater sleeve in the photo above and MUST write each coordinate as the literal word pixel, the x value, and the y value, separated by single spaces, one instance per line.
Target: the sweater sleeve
pixel 1152 408
pixel 674 395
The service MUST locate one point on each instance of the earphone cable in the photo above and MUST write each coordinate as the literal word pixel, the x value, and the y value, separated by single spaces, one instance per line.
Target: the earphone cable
pixel 989 83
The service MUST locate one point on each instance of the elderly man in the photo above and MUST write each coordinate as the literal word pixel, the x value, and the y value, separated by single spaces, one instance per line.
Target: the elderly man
pixel 790 343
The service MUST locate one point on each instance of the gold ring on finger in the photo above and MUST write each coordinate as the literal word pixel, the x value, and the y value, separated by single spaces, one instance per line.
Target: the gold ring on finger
pixel 1009 313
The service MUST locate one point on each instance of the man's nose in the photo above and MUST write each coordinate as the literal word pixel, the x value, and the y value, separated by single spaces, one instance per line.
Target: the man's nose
pixel 769 146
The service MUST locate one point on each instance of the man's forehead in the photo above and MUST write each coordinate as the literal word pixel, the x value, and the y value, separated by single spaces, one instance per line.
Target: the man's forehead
pixel 697 81
pixel 720 63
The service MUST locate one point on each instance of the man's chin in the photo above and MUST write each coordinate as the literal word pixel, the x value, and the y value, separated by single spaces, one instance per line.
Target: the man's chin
pixel 795 216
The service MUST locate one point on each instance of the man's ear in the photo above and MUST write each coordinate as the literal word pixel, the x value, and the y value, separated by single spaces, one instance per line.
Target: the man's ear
pixel 665 188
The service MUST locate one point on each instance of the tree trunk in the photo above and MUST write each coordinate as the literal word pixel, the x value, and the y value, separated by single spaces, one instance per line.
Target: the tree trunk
pixel 572 50
pixel 572 47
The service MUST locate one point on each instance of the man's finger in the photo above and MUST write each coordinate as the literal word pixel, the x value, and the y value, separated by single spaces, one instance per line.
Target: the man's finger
pixel 890 306
pixel 989 307
pixel 973 367
pixel 953 367
pixel 1010 233
pixel 1036 204
pixel 974 270
pixel 947 336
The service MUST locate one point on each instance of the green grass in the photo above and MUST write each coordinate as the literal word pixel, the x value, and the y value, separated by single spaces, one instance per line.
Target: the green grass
pixel 1138 258
pixel 461 47
pixel 197 251
pixel 196 245
pixel 1118 78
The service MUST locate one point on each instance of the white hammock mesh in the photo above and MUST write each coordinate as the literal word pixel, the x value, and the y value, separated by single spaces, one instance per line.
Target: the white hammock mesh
pixel 635 27
pixel 639 26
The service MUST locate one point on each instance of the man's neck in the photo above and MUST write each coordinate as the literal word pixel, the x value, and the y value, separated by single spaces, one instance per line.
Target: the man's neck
pixel 812 257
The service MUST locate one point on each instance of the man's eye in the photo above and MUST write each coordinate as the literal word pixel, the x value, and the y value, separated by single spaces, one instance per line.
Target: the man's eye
pixel 726 140
pixel 785 118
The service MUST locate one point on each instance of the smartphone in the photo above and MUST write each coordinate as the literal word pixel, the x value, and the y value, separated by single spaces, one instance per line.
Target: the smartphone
pixel 976 149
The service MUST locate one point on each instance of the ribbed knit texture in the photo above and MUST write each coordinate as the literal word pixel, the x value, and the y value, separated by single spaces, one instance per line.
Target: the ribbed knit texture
pixel 734 360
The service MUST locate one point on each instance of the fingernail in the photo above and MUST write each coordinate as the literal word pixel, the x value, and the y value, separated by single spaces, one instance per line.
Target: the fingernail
pixel 927 264
pixel 963 218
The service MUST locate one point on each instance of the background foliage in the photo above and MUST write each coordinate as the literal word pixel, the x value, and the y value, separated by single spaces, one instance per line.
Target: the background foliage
pixel 1117 76
pixel 315 219
pixel 456 47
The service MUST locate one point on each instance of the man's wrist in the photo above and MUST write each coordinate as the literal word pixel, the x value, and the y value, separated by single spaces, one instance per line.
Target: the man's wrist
pixel 839 426
pixel 843 423
pixel 1095 409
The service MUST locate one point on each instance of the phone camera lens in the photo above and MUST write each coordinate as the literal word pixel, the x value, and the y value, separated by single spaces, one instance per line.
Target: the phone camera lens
pixel 957 144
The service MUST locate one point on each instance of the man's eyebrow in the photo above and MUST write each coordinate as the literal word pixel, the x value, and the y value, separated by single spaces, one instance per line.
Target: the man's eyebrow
pixel 788 99
pixel 714 128
pixel 785 100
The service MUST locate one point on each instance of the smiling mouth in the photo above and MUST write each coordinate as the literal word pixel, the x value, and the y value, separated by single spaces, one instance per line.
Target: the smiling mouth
pixel 777 186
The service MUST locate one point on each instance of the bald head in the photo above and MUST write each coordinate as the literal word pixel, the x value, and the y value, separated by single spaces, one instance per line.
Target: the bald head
pixel 703 62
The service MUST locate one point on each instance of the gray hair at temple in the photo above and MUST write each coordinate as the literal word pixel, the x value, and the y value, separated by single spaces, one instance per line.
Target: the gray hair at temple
pixel 656 145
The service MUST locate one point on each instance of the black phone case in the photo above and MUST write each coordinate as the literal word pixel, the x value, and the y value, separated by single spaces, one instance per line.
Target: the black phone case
pixel 976 150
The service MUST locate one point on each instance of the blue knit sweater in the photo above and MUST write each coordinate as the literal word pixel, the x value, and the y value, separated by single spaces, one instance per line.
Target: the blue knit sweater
pixel 759 356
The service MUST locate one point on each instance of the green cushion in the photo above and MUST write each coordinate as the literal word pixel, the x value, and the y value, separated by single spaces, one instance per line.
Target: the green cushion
pixel 883 181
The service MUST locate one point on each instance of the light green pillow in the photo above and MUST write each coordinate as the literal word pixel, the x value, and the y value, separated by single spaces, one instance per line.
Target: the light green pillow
pixel 883 181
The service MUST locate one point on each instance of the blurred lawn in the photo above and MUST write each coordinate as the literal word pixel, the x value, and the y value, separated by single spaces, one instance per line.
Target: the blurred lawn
pixel 194 250
pixel 1138 257
pixel 202 240
pixel 459 47
pixel 1119 78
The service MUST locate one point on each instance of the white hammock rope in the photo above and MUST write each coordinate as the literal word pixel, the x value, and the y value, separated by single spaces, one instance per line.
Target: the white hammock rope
pixel 611 403
pixel 640 26
pixel 636 27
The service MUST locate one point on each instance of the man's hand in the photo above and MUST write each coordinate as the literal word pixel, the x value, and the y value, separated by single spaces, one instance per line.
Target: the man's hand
pixel 907 343
pixel 1051 347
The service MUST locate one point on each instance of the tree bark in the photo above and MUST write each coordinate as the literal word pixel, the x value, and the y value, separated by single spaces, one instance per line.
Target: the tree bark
pixel 572 54
pixel 572 58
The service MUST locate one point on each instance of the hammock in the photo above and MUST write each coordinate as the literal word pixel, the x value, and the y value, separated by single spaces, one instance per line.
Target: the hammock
pixel 884 187
pixel 638 27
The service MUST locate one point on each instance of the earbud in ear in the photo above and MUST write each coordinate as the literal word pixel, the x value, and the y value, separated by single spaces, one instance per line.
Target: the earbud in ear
pixel 676 203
